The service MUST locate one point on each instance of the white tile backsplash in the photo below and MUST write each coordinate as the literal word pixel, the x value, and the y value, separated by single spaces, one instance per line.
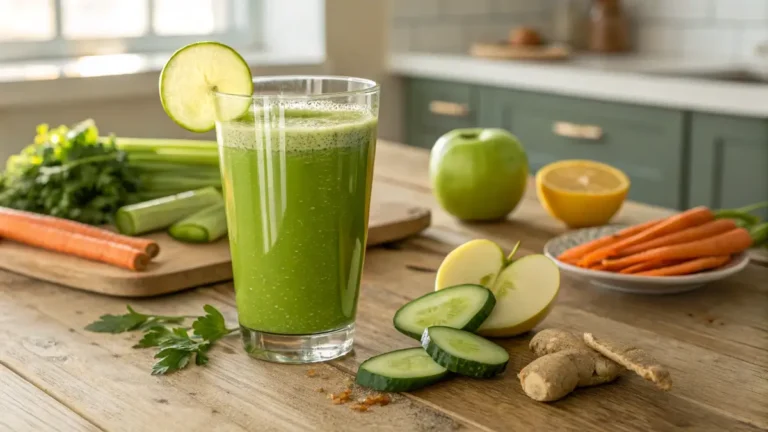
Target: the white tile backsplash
pixel 438 37
pixel 415 8
pixel 751 38
pixel 682 10
pixel 711 42
pixel 464 7
pixel 658 38
pixel 718 28
pixel 742 10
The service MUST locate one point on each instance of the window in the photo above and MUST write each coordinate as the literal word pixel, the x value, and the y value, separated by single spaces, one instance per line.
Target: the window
pixel 58 28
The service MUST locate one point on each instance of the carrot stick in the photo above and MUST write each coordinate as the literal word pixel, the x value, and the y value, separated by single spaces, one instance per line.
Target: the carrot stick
pixel 147 246
pixel 688 267
pixel 708 229
pixel 689 218
pixel 727 243
pixel 55 239
pixel 648 265
pixel 579 251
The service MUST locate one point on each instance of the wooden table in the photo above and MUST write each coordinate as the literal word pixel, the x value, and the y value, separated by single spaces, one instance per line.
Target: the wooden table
pixel 56 376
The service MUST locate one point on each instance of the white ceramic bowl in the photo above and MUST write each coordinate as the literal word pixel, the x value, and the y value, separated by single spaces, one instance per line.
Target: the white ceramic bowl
pixel 632 283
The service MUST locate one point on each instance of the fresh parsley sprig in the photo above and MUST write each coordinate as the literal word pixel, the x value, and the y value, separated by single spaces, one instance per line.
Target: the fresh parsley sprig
pixel 176 347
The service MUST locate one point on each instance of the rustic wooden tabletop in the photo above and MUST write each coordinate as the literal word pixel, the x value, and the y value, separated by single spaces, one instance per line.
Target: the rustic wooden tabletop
pixel 56 376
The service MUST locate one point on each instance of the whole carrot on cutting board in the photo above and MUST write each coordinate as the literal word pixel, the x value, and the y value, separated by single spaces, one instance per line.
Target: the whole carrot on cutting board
pixel 688 267
pixel 727 243
pixel 575 253
pixel 59 240
pixel 149 247
pixel 687 219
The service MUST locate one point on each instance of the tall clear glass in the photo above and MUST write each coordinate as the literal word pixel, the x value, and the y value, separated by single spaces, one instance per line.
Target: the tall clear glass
pixel 297 166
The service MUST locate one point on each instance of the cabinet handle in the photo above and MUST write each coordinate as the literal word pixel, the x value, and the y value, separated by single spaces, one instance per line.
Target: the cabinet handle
pixel 573 130
pixel 449 109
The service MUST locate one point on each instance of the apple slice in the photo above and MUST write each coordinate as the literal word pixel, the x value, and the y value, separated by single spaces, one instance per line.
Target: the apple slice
pixel 525 289
pixel 475 262
pixel 525 293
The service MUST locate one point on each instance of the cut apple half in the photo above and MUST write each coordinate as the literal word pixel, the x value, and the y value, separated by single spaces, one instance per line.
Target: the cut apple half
pixel 525 289
pixel 476 262
pixel 525 292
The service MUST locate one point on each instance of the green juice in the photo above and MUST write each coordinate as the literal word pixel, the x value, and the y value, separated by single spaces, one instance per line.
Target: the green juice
pixel 297 196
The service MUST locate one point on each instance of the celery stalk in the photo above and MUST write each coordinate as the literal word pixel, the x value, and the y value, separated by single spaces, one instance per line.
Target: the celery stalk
pixel 163 212
pixel 173 168
pixel 153 144
pixel 154 182
pixel 183 157
pixel 205 226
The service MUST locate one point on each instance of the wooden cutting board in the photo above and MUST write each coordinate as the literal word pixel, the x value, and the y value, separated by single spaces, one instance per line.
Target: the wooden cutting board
pixel 506 51
pixel 180 266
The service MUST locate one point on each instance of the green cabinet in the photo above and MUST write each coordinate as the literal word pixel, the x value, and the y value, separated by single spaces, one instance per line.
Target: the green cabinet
pixel 646 143
pixel 729 161
pixel 674 158
pixel 435 107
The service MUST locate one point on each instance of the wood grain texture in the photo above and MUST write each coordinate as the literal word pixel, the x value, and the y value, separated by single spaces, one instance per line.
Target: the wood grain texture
pixel 27 408
pixel 181 266
pixel 714 340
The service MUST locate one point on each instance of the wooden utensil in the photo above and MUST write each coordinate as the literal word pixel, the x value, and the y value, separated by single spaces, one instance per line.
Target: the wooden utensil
pixel 179 265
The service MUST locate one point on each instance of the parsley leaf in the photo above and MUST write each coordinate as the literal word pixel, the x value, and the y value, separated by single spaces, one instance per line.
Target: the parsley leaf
pixel 170 359
pixel 130 322
pixel 176 347
pixel 211 326
pixel 155 336
pixel 118 323
pixel 176 351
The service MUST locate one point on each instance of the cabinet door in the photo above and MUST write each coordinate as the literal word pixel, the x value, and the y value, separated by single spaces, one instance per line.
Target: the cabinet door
pixel 729 161
pixel 436 107
pixel 646 143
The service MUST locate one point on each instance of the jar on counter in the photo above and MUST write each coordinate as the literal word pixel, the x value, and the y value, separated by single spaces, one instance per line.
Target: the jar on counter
pixel 608 27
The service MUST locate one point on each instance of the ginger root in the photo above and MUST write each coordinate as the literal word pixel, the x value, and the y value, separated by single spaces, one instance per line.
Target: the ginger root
pixel 632 358
pixel 565 362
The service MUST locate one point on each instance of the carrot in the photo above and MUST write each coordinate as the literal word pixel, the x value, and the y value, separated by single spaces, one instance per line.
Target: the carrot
pixel 648 265
pixel 727 243
pixel 579 251
pixel 689 218
pixel 55 239
pixel 708 229
pixel 147 246
pixel 688 267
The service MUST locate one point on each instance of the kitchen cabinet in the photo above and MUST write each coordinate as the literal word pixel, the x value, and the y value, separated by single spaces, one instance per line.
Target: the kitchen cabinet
pixel 646 143
pixel 729 161
pixel 434 108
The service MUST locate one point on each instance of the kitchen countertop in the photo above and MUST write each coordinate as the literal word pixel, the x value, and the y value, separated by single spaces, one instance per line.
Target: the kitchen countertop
pixel 55 375
pixel 645 80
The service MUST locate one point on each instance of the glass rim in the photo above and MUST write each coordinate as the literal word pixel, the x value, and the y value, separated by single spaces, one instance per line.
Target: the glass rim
pixel 372 87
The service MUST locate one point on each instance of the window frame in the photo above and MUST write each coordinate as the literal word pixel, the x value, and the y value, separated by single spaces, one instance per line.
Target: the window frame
pixel 244 30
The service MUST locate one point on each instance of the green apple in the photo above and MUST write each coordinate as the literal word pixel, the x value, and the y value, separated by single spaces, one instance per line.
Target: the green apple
pixel 478 174
pixel 525 288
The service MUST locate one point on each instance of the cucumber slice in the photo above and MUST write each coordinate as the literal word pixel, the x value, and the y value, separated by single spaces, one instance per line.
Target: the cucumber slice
pixel 401 370
pixel 461 306
pixel 463 352
pixel 190 77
